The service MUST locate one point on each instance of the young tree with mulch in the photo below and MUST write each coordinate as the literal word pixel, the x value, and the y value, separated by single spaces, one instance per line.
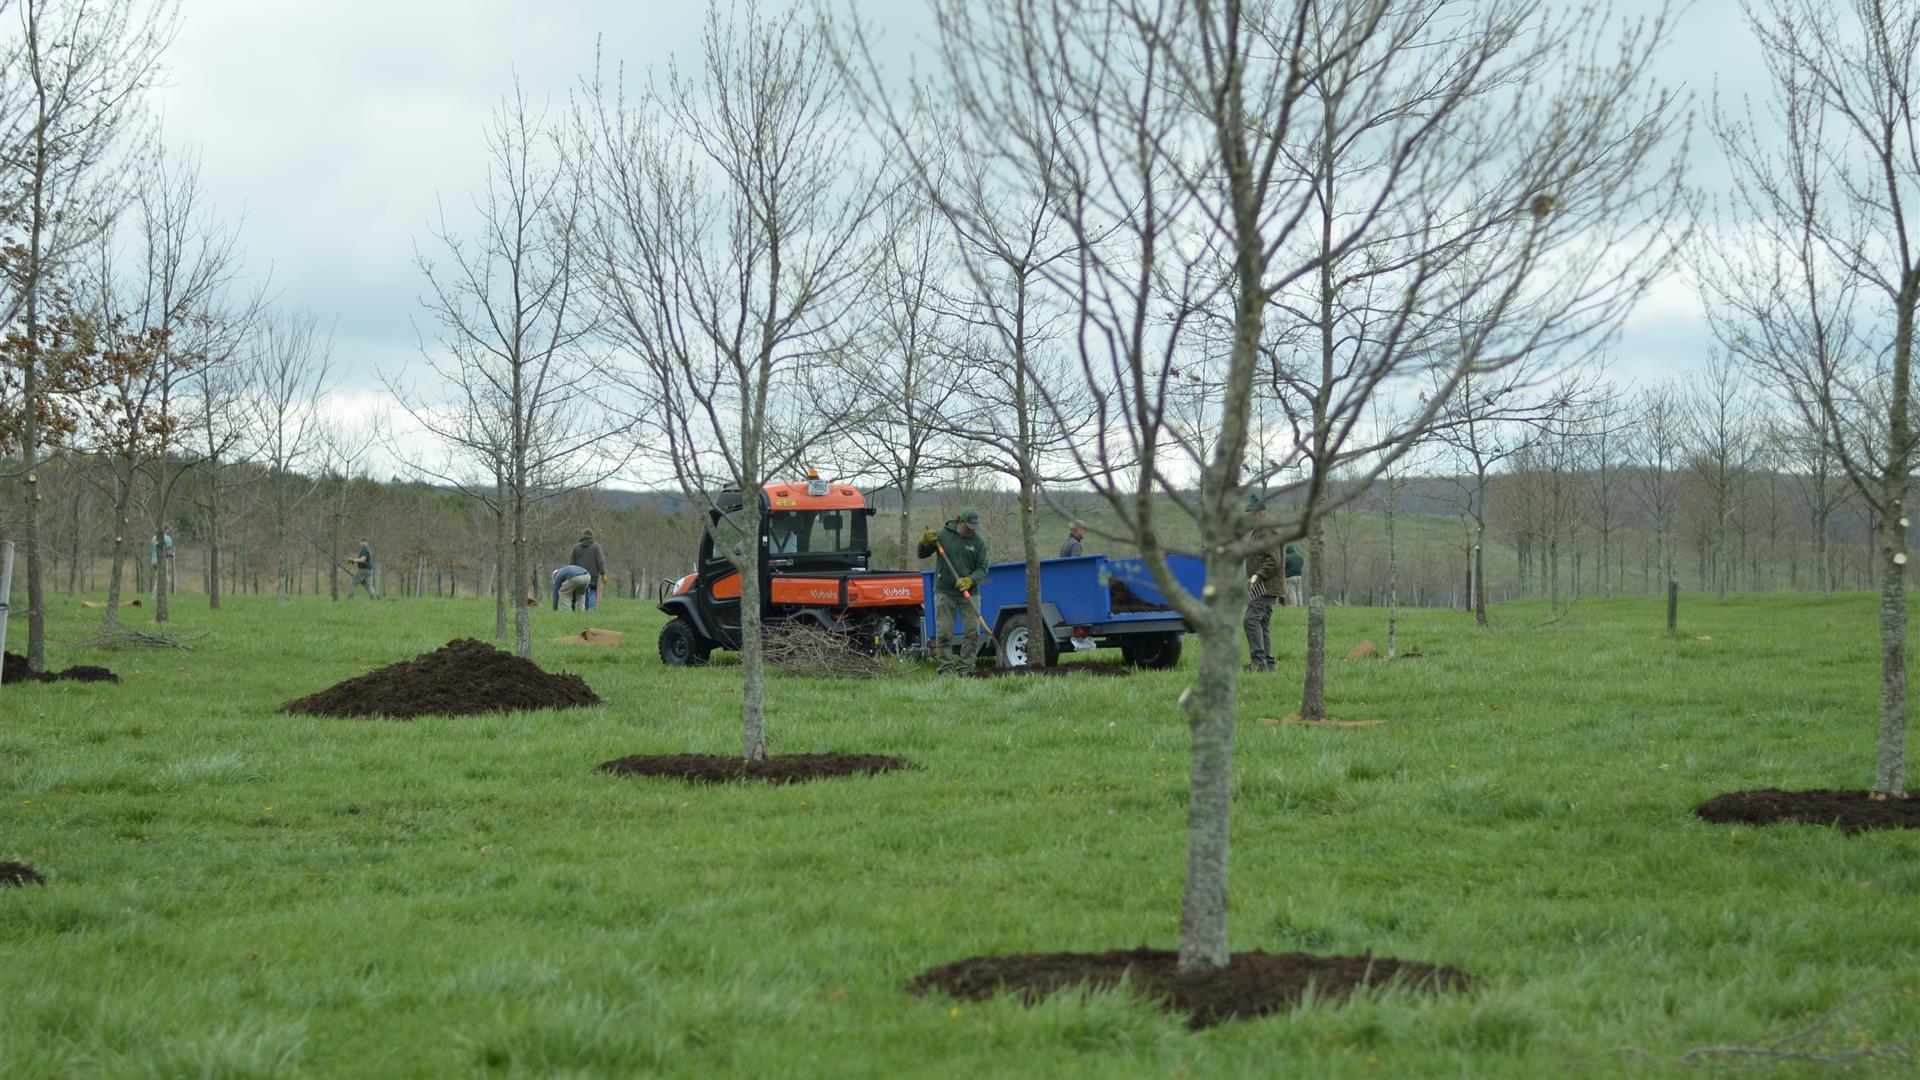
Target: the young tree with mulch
pixel 1302 184
pixel 731 240
pixel 1817 290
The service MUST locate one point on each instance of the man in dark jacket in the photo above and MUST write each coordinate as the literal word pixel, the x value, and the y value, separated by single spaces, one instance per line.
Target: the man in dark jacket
pixel 588 556
pixel 1073 549
pixel 956 576
pixel 1267 571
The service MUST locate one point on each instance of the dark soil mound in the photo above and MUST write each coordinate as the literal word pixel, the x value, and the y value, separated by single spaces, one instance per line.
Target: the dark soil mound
pixel 1091 667
pixel 458 679
pixel 783 769
pixel 1122 600
pixel 1848 811
pixel 15 671
pixel 14 874
pixel 1252 983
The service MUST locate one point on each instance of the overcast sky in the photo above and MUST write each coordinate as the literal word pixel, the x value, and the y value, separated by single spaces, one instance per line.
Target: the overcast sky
pixel 337 128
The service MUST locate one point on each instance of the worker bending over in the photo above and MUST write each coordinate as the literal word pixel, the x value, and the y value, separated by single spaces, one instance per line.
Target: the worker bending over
pixel 573 582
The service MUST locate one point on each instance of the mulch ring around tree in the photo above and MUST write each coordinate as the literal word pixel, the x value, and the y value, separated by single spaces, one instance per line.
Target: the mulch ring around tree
pixel 1091 667
pixel 779 769
pixel 14 874
pixel 1848 811
pixel 460 678
pixel 1252 984
pixel 15 671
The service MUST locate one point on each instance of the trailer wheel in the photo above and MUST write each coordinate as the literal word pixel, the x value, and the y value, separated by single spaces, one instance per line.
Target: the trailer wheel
pixel 1015 638
pixel 1158 651
pixel 682 646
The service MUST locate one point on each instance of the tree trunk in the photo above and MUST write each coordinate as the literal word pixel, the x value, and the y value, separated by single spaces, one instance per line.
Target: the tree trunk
pixel 501 579
pixel 522 621
pixel 1393 571
pixel 906 521
pixel 1480 574
pixel 1313 696
pixel 1209 705
pixel 753 678
pixel 1037 632
pixel 122 500
pixel 162 571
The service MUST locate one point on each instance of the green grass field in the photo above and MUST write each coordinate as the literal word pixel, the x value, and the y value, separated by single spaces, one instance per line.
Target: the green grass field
pixel 234 892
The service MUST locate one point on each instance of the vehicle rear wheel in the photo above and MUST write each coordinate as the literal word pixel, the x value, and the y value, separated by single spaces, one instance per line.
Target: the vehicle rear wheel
pixel 1016 639
pixel 1157 651
pixel 682 646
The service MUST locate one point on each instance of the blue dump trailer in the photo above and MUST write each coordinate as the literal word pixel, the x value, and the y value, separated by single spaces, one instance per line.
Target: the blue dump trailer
pixel 1086 602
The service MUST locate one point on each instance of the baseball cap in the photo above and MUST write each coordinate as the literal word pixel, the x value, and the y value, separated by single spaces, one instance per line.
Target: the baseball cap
pixel 969 517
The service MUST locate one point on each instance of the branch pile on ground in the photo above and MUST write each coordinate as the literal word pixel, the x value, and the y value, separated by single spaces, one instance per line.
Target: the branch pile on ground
pixel 458 679
pixel 121 636
pixel 1252 984
pixel 1122 600
pixel 781 769
pixel 798 649
pixel 1848 811
pixel 16 671
pixel 14 874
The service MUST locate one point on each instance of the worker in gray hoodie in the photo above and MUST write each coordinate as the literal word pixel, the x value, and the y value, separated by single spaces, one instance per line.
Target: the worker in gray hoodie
pixel 588 556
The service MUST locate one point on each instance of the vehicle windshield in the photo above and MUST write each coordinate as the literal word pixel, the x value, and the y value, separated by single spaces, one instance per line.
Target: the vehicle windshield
pixel 816 532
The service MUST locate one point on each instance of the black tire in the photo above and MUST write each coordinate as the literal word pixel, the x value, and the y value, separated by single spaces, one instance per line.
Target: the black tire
pixel 682 646
pixel 1159 651
pixel 1012 640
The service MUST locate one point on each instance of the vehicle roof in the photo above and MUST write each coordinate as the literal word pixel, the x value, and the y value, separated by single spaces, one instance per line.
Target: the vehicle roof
pixel 792 495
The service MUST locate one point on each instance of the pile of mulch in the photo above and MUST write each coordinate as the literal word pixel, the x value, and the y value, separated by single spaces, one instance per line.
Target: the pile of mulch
pixel 1848 811
pixel 1252 984
pixel 15 671
pixel 1090 667
pixel 14 874
pixel 781 769
pixel 1122 600
pixel 458 679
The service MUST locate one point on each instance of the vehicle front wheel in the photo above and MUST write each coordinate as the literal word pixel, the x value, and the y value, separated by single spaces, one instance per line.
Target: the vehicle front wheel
pixel 682 646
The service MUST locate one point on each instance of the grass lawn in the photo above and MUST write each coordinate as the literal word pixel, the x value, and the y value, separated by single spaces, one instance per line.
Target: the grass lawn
pixel 232 892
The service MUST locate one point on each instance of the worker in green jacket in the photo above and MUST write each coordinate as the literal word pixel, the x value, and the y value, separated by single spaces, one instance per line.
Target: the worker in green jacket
pixel 956 579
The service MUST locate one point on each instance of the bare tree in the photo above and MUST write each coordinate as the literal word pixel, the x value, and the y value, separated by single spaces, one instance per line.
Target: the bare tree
pixel 732 218
pixel 189 261
pixel 1657 450
pixel 1817 292
pixel 291 364
pixel 73 84
pixel 1187 147
pixel 341 459
pixel 1490 419
pixel 1719 451
pixel 1818 485
pixel 219 432
pixel 516 333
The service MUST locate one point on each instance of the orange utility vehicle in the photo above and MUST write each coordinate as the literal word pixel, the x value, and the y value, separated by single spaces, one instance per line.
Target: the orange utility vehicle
pixel 813 566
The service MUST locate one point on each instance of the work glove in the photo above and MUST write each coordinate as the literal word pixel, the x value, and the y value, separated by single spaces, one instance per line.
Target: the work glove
pixel 965 584
pixel 1253 581
pixel 930 537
